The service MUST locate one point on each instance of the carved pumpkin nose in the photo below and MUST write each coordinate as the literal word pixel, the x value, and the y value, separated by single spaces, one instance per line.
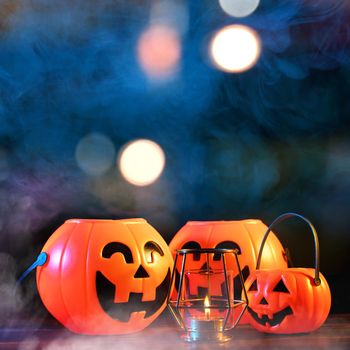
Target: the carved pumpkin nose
pixel 141 273
pixel 264 301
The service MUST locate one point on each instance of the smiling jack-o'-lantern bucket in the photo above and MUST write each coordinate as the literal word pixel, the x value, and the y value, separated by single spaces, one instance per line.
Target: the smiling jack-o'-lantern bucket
pixel 288 300
pixel 105 276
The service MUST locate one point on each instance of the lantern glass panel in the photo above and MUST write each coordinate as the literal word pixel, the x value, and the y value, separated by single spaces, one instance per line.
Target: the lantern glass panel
pixel 203 299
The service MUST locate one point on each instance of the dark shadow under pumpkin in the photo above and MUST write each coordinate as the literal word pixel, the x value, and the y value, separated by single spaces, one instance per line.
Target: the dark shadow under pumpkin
pixel 122 311
pixel 277 318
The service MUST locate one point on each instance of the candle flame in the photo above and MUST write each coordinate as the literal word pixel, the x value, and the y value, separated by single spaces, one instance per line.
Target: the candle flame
pixel 207 307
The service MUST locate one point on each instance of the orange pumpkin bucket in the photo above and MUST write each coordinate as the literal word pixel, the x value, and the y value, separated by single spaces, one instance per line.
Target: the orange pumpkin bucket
pixel 288 300
pixel 105 276
pixel 243 235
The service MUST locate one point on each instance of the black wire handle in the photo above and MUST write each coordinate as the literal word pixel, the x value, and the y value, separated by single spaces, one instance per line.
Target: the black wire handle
pixel 284 217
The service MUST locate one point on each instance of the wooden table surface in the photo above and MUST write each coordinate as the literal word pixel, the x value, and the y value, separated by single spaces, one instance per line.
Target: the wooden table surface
pixel 164 334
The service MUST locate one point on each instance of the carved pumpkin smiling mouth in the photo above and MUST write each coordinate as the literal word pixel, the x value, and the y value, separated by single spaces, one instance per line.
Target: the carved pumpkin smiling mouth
pixel 106 291
pixel 276 319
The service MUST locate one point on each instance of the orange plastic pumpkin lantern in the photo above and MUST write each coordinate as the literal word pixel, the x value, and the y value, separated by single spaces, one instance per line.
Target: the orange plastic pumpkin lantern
pixel 243 235
pixel 294 300
pixel 105 276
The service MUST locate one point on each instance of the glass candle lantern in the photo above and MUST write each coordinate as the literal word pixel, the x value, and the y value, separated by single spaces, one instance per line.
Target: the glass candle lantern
pixel 202 294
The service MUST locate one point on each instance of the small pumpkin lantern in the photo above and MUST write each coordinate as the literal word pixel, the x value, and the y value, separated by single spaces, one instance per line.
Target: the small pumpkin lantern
pixel 105 276
pixel 289 300
pixel 243 235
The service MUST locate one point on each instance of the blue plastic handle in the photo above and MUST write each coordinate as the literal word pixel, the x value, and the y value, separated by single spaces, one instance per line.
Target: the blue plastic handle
pixel 40 261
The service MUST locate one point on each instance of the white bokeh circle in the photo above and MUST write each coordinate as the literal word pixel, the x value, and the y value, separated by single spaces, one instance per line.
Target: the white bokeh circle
pixel 235 48
pixel 239 8
pixel 141 162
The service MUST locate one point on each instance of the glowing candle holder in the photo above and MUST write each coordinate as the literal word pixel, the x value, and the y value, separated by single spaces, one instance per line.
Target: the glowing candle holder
pixel 202 299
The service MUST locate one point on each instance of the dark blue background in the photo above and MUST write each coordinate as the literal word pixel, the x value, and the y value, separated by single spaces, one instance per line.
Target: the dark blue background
pixel 253 145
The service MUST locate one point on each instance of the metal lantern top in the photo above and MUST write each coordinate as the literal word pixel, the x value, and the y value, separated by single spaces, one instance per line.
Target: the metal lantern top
pixel 207 295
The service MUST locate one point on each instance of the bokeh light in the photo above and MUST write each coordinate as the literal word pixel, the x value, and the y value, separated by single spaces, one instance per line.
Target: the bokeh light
pixel 159 51
pixel 95 154
pixel 141 162
pixel 239 8
pixel 235 48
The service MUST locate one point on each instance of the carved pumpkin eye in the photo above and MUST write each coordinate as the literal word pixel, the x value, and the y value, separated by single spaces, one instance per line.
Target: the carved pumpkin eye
pixel 253 287
pixel 151 248
pixel 193 245
pixel 117 247
pixel 226 245
pixel 281 287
